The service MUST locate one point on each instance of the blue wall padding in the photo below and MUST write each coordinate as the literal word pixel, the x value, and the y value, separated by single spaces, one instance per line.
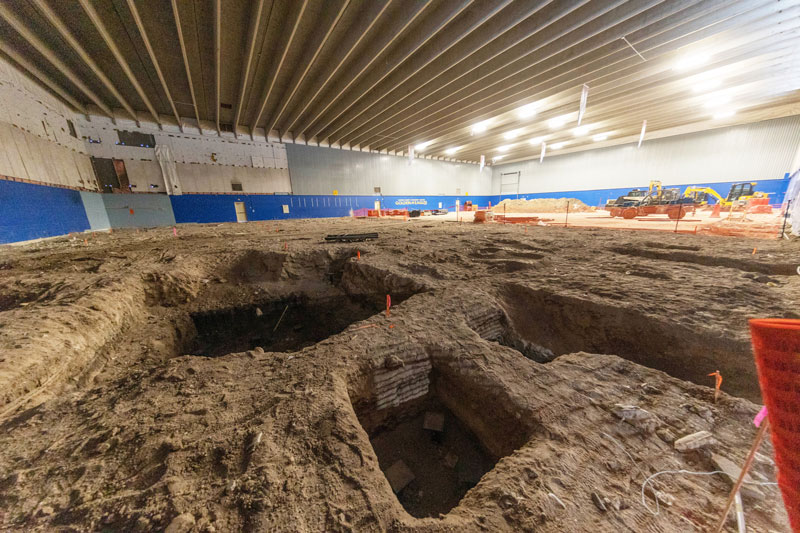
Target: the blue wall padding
pixel 29 211
pixel 598 197
pixel 203 208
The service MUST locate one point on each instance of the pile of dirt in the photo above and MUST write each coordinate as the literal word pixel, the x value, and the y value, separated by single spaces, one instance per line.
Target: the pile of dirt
pixel 543 205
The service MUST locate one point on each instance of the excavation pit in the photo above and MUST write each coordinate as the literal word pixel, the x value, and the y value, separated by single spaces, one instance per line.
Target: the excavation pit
pixel 543 325
pixel 284 325
pixel 445 464
pixel 438 443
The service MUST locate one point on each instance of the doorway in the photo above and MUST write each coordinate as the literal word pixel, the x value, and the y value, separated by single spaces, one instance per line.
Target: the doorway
pixel 241 214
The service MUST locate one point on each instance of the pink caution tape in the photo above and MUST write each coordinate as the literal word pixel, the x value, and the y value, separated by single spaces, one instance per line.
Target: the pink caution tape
pixel 762 414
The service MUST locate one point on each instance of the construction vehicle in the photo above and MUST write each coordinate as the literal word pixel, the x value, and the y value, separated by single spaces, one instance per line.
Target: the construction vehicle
pixel 633 195
pixel 657 201
pixel 738 196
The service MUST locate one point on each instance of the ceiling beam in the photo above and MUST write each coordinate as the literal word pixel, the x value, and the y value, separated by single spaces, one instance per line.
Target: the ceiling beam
pixel 276 116
pixel 59 25
pixel 464 109
pixel 41 77
pixel 138 20
pixel 255 23
pixel 333 72
pixel 354 78
pixel 278 70
pixel 176 15
pixel 98 24
pixel 554 37
pixel 43 49
pixel 461 32
pixel 217 62
pixel 526 28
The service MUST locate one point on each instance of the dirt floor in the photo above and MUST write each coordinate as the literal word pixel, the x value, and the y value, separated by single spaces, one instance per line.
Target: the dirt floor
pixel 248 378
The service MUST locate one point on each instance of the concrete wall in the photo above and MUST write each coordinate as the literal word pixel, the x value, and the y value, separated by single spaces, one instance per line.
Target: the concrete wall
pixel 763 152
pixel 316 170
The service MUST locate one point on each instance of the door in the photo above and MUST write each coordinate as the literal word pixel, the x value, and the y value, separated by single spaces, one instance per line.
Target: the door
pixel 241 214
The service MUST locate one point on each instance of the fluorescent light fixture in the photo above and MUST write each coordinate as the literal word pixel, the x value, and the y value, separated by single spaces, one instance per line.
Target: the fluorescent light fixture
pixel 497 158
pixel 718 100
pixel 451 151
pixel 580 130
pixel 504 148
pixel 527 111
pixel 600 137
pixel 480 127
pixel 421 146
pixel 707 85
pixel 691 61
pixel 513 134
pixel 557 146
pixel 724 114
pixel 536 140
pixel 557 122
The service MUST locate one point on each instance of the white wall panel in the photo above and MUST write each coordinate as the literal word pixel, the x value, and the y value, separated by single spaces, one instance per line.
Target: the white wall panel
pixel 35 143
pixel 205 163
pixel 762 150
pixel 317 170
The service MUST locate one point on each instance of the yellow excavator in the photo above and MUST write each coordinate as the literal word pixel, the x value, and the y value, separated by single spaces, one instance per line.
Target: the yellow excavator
pixel 738 196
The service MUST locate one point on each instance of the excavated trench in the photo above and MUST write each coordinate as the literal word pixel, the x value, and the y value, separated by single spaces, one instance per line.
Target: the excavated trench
pixel 543 325
pixel 321 294
pixel 436 428
pixel 283 325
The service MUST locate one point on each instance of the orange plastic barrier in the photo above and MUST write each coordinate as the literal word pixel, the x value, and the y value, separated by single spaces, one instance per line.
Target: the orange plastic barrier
pixel 776 344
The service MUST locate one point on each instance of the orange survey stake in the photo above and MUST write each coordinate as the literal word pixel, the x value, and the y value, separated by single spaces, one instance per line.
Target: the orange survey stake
pixel 717 385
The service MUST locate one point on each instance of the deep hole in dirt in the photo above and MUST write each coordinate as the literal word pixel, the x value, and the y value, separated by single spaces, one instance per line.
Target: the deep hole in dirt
pixel 284 325
pixel 540 321
pixel 437 444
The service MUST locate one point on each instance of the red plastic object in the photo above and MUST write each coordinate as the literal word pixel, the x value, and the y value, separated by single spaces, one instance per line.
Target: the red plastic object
pixel 776 343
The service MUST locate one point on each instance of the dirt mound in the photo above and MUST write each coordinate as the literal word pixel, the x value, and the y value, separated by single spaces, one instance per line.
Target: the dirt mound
pixel 543 205
pixel 224 381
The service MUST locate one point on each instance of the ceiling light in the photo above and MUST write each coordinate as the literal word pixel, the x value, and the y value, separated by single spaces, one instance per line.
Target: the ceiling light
pixel 536 140
pixel 600 137
pixel 513 134
pixel 451 151
pixel 724 114
pixel 705 86
pixel 557 146
pixel 580 130
pixel 421 146
pixel 691 61
pixel 718 100
pixel 498 157
pixel 480 127
pixel 527 111
pixel 504 148
pixel 557 122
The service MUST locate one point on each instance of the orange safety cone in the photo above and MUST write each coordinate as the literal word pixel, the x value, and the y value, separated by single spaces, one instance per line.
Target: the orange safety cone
pixel 776 345
pixel 715 212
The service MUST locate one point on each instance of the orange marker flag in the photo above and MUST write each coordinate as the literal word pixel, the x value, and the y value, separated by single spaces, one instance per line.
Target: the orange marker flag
pixel 717 385
pixel 358 256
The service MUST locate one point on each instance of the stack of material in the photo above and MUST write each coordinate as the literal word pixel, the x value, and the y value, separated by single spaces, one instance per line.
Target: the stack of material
pixel 542 205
